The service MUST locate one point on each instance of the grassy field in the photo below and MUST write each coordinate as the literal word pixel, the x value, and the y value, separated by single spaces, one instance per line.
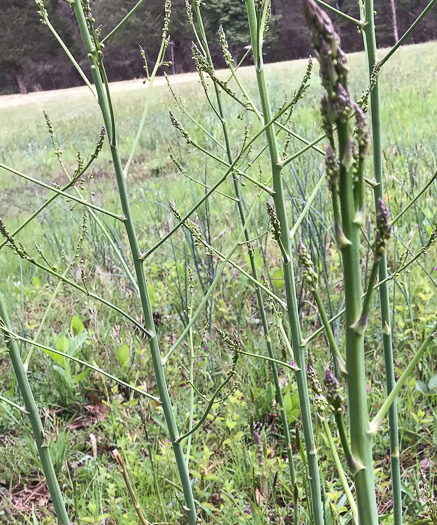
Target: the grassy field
pixel 240 479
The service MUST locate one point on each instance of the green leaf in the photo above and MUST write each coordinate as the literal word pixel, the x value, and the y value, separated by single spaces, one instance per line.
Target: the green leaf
pixel 63 344
pixel 212 477
pixel 56 357
pixel 151 291
pixel 231 424
pixel 123 355
pixel 80 377
pixel 432 383
pixel 421 387
pixel 77 326
pixel 36 282
pixel 278 278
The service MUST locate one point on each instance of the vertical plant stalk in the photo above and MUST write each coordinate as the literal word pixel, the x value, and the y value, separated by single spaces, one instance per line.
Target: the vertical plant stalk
pixel 387 343
pixel 99 76
pixel 345 178
pixel 191 369
pixel 257 26
pixel 332 400
pixel 41 438
pixel 251 253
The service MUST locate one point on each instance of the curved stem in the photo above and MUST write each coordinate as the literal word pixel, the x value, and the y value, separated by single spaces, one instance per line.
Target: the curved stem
pixel 340 470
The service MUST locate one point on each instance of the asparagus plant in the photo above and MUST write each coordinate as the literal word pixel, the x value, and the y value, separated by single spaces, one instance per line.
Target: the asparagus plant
pixel 346 186
pixel 257 17
pixel 41 437
pixel 367 10
pixel 94 51
pixel 203 41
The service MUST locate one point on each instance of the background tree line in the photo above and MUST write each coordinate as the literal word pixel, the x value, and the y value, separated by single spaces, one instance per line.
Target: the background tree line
pixel 31 60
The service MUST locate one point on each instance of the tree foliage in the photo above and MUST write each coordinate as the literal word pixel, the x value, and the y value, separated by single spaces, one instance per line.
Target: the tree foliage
pixel 31 59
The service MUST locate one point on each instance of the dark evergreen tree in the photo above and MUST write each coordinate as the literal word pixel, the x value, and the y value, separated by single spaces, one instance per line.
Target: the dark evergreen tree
pixel 31 59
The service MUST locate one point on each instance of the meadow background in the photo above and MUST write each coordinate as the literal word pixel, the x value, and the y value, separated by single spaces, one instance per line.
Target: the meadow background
pixel 234 475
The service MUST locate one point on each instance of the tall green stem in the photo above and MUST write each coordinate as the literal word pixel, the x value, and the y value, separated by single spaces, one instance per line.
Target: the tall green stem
pixel 361 441
pixel 254 270
pixel 41 439
pixel 256 33
pixel 387 346
pixel 107 113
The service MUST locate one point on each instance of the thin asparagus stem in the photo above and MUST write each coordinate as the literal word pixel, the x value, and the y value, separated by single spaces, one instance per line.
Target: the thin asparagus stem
pixel 377 420
pixel 415 199
pixel 158 64
pixel 45 20
pixel 406 34
pixel 230 170
pixel 336 109
pixel 378 174
pixel 49 350
pixel 256 32
pixel 13 405
pixel 130 489
pixel 213 284
pixel 122 22
pixel 60 192
pixel 340 470
pixel 191 337
pixel 40 436
pixel 331 8
pixel 95 59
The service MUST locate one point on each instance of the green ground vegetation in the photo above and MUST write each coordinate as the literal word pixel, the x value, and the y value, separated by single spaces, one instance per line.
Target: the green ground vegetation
pixel 235 476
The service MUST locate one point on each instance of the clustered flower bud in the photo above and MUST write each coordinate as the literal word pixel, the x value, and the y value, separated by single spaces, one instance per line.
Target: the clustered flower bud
pixel 306 262
pixel 383 228
pixel 225 47
pixel 203 66
pixel 432 237
pixel 42 11
pixel 316 387
pixel 332 168
pixel 361 132
pixel 167 14
pixel 17 247
pixel 175 122
pixel 191 226
pixel 174 210
pixel 99 143
pixel 275 226
pixel 82 236
pixel 189 12
pixel 233 344
pixel 333 396
pixel 337 105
